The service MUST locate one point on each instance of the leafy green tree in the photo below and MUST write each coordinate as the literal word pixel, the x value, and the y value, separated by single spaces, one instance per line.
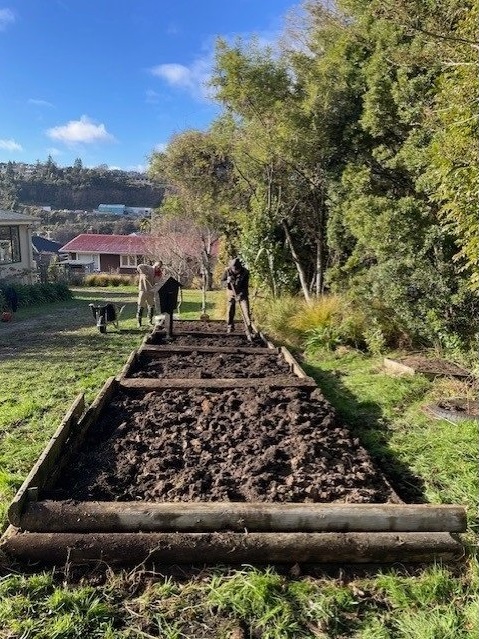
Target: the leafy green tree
pixel 8 192
pixel 278 164
pixel 196 172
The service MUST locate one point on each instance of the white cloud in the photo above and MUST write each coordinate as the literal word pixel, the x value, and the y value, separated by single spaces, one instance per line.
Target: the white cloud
pixel 10 145
pixel 7 17
pixel 41 103
pixel 190 78
pixel 82 131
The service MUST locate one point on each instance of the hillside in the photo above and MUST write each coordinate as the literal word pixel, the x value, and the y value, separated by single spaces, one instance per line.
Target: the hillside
pixel 75 187
pixel 88 196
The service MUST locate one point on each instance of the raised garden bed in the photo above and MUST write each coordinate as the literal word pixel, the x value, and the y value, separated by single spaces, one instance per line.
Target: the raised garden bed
pixel 198 338
pixel 206 326
pixel 209 365
pixel 428 366
pixel 234 445
pixel 232 469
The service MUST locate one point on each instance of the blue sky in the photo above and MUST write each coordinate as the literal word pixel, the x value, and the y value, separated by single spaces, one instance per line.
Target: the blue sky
pixel 109 81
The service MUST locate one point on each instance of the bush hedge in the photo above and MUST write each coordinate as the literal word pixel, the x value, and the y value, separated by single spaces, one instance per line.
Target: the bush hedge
pixel 35 294
pixel 108 279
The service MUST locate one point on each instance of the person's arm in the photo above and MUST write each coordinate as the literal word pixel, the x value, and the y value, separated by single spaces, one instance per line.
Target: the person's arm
pixel 225 278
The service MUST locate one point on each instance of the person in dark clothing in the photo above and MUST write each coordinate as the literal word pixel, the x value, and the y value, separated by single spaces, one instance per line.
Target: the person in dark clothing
pixel 11 297
pixel 236 280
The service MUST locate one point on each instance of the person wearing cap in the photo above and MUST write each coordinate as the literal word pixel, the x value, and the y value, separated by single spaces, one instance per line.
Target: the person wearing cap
pixel 236 280
pixel 149 276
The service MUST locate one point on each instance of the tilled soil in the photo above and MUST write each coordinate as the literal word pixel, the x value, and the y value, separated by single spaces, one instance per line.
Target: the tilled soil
pixel 211 365
pixel 205 326
pixel 235 339
pixel 236 445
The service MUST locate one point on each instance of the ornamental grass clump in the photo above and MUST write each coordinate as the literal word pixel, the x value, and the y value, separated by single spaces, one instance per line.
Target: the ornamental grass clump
pixel 109 279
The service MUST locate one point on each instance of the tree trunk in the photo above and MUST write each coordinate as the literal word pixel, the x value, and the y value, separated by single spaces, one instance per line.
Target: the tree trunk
pixel 297 263
pixel 272 273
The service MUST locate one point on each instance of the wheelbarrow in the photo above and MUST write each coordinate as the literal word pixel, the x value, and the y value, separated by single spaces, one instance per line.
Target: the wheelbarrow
pixel 106 314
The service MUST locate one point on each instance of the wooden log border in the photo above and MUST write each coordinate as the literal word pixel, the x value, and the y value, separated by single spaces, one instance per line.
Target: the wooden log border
pixel 232 548
pixel 291 360
pixel 259 533
pixel 114 517
pixel 129 364
pixel 40 472
pixel 64 442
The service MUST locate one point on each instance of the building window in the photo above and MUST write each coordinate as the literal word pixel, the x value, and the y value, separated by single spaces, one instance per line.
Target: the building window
pixel 9 245
pixel 128 261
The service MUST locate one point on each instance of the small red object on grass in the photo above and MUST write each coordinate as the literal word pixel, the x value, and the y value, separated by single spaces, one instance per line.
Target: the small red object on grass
pixel 6 316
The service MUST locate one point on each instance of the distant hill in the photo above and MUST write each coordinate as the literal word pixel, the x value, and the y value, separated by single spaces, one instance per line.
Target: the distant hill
pixel 78 188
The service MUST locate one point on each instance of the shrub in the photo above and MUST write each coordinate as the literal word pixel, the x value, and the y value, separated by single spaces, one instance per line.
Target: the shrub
pixel 326 336
pixel 319 313
pixel 108 279
pixel 325 322
pixel 36 294
pixel 274 316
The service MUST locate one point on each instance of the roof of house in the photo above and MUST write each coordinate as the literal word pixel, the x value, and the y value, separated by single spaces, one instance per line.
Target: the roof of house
pixel 7 217
pixel 133 244
pixel 44 245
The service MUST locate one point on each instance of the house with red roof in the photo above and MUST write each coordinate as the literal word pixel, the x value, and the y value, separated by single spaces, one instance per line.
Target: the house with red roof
pixel 122 253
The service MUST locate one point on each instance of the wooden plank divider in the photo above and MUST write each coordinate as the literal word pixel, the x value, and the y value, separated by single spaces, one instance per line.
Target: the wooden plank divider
pixel 291 360
pixel 153 349
pixel 143 383
pixel 222 334
pixel 68 516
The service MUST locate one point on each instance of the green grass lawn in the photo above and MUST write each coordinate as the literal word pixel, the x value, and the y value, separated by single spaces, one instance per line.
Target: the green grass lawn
pixel 49 354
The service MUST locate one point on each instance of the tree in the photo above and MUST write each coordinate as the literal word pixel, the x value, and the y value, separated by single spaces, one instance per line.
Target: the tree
pixel 78 165
pixel 198 174
pixel 277 162
pixel 8 192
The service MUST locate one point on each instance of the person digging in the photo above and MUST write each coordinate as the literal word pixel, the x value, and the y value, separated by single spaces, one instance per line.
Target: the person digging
pixel 149 276
pixel 236 280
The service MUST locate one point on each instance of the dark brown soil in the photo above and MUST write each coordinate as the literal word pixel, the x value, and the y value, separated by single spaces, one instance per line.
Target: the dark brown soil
pixel 433 366
pixel 206 326
pixel 236 339
pixel 238 445
pixel 211 365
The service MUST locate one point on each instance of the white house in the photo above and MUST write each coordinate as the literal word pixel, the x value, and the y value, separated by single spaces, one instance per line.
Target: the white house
pixel 16 253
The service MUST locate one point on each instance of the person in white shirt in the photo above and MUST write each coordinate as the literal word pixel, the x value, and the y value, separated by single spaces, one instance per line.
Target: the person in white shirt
pixel 149 276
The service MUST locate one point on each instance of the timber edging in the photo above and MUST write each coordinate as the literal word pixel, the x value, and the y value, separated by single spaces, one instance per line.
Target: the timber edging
pixel 206 532
pixel 232 548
